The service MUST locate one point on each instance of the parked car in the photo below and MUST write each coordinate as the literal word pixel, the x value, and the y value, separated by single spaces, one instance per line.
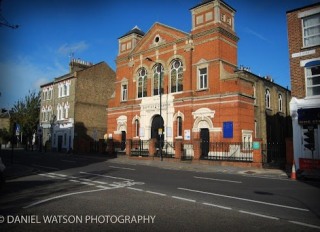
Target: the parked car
pixel 2 176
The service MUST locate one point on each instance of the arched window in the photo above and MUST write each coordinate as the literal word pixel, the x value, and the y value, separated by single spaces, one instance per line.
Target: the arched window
pixel 176 76
pixel 142 83
pixel 280 102
pixel 267 98
pixel 137 127
pixel 179 126
pixel 157 76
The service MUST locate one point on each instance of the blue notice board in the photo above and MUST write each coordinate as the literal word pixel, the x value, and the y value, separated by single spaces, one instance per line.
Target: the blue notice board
pixel 228 130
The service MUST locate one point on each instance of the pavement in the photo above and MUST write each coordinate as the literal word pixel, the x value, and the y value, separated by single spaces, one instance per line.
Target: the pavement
pixel 16 170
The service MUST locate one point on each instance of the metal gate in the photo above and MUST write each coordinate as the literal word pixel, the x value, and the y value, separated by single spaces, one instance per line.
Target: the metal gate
pixel 274 155
pixel 139 148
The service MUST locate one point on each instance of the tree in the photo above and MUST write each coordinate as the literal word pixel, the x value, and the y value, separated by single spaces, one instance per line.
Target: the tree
pixel 26 114
pixel 4 136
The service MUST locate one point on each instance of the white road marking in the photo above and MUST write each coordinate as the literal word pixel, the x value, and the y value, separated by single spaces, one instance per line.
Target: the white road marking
pixel 184 199
pixel 305 224
pixel 244 199
pixel 218 206
pixel 35 165
pixel 132 169
pixel 136 189
pixel 84 179
pixel 259 215
pixel 222 180
pixel 113 177
pixel 99 182
pixel 86 183
pixel 76 181
pixel 51 176
pixel 57 174
pixel 156 193
pixel 103 187
pixel 61 196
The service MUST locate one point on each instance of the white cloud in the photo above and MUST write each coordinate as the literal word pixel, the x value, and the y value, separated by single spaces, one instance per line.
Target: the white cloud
pixel 19 76
pixel 256 34
pixel 67 49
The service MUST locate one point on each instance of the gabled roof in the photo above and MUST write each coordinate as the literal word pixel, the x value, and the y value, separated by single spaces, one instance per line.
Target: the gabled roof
pixel 135 30
pixel 159 28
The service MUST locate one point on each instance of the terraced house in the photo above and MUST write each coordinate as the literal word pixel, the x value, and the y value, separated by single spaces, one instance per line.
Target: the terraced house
pixel 304 50
pixel 174 87
pixel 73 106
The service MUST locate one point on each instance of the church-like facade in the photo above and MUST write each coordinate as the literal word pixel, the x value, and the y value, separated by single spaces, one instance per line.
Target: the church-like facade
pixel 177 86
pixel 193 73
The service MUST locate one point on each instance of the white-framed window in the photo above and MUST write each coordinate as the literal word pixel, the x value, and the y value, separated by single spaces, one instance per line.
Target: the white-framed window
pixel 246 139
pixel 44 94
pixel 142 83
pixel 280 102
pixel 62 111
pixel 267 96
pixel 179 126
pixel 157 79
pixel 64 89
pixel 49 97
pixel 203 78
pixel 124 92
pixel 43 115
pixel 137 127
pixel 311 30
pixel 312 80
pixel 176 76
pixel 66 110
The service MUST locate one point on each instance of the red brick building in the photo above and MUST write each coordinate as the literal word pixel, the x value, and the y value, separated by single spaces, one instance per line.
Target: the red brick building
pixel 304 51
pixel 201 97
pixel 186 86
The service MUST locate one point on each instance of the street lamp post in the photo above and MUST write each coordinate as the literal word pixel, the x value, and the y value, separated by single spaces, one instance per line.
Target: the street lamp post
pixel 160 101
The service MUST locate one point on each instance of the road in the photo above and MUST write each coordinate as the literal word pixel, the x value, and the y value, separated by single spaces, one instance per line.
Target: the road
pixel 61 192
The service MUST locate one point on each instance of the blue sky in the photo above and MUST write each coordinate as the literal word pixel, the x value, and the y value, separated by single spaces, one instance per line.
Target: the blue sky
pixel 39 50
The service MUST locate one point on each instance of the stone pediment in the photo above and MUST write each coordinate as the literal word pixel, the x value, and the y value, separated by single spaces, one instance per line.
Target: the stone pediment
pixel 158 35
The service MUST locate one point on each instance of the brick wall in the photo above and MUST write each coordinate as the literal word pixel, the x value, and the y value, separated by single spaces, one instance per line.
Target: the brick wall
pixel 294 25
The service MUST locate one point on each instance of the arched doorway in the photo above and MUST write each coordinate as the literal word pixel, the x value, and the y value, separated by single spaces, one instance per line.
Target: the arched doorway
pixel 156 126
pixel 205 138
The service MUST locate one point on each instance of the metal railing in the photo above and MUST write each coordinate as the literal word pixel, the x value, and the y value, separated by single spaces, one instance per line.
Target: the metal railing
pixel 229 152
pixel 139 148
pixel 188 152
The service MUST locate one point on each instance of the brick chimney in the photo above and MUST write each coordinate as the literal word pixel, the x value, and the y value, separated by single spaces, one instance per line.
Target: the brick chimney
pixel 78 64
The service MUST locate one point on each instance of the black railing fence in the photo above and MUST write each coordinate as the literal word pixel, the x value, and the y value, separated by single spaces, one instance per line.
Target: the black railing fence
pixel 228 151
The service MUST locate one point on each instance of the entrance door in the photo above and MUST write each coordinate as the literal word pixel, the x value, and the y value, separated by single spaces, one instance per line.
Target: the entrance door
pixel 205 138
pixel 157 123
pixel 123 140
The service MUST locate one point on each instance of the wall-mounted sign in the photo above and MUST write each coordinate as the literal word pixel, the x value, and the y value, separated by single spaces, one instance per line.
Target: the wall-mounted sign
pixel 187 135
pixel 256 145
pixel 228 130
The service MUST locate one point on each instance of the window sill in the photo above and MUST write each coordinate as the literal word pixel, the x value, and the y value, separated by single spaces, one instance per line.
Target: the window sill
pixel 202 90
pixel 310 47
